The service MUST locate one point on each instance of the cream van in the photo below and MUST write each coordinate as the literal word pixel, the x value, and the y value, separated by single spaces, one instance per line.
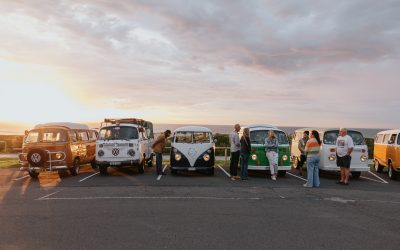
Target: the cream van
pixel 192 149
pixel 58 146
pixel 359 161
pixel 387 152
pixel 124 142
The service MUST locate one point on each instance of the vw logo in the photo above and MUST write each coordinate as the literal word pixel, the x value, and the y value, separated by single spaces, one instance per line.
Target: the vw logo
pixel 115 151
pixel 192 152
pixel 36 157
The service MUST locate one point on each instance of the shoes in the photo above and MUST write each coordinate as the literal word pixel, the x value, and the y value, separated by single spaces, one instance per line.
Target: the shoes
pixel 273 177
pixel 233 178
pixel 237 177
pixel 306 185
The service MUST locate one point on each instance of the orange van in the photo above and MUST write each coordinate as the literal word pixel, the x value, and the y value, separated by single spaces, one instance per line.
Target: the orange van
pixel 58 146
pixel 387 152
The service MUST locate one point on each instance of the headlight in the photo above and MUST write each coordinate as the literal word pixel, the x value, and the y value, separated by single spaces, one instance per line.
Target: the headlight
pixel 58 156
pixel 178 157
pixel 363 158
pixel 206 157
pixel 254 157
pixel 131 152
pixel 332 157
pixel 100 153
pixel 284 158
pixel 100 145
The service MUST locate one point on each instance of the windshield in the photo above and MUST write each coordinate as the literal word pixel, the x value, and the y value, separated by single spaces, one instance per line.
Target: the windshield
pixel 119 133
pixel 258 136
pixel 192 137
pixel 48 135
pixel 331 136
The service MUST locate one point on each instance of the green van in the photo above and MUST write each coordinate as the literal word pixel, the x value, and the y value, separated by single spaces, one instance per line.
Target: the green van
pixel 258 159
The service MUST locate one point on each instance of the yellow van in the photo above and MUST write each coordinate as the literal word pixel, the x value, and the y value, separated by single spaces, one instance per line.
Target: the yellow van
pixel 387 152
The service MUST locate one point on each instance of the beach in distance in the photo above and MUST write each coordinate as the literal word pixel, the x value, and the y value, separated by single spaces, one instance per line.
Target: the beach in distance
pixel 226 129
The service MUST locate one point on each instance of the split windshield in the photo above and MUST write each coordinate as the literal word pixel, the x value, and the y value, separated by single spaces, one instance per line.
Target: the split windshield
pixel 119 133
pixel 47 135
pixel 330 137
pixel 258 136
pixel 192 137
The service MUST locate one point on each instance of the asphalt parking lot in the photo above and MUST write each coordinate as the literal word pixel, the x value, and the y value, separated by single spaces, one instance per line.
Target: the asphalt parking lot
pixel 127 210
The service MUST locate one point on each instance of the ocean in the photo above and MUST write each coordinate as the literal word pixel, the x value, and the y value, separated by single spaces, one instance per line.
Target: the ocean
pixel 226 129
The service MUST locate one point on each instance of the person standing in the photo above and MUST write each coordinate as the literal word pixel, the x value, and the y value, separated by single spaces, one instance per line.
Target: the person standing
pixel 271 150
pixel 245 149
pixel 158 147
pixel 312 152
pixel 344 148
pixel 302 148
pixel 235 152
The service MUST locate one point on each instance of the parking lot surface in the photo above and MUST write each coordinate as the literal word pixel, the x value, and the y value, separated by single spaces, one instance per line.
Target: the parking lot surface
pixel 128 210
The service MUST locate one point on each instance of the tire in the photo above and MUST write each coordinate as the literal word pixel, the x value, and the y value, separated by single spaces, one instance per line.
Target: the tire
pixel 103 170
pixel 74 170
pixel 378 167
pixel 141 166
pixel 33 174
pixel 93 164
pixel 211 172
pixel 281 173
pixel 37 157
pixel 392 174
pixel 356 175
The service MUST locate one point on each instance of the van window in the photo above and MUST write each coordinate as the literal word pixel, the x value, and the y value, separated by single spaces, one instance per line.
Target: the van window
pixel 119 133
pixel 378 138
pixel 47 135
pixel 393 139
pixel 192 137
pixel 72 136
pixel 398 139
pixel 32 137
pixel 330 137
pixel 386 138
pixel 83 135
pixel 258 137
pixel 93 135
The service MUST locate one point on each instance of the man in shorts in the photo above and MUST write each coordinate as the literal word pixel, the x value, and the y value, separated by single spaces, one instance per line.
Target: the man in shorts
pixel 344 148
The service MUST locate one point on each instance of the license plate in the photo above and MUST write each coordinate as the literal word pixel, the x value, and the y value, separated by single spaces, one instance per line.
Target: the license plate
pixel 192 169
pixel 116 163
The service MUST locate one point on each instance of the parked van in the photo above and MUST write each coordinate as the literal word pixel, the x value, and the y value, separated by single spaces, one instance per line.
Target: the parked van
pixel 387 152
pixel 124 142
pixel 258 159
pixel 58 146
pixel 192 149
pixel 359 161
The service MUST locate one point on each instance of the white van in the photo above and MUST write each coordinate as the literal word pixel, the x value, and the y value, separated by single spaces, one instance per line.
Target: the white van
pixel 124 143
pixel 192 149
pixel 359 161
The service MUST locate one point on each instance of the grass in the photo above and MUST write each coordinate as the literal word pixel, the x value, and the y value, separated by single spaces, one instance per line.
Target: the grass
pixel 9 163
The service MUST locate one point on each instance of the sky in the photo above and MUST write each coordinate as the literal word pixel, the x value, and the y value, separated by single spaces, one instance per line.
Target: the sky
pixel 287 63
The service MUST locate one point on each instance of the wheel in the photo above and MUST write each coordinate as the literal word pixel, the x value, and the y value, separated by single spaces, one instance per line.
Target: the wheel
pixel 378 167
pixel 74 170
pixel 281 173
pixel 103 170
pixel 33 174
pixel 211 172
pixel 356 175
pixel 392 174
pixel 141 166
pixel 93 164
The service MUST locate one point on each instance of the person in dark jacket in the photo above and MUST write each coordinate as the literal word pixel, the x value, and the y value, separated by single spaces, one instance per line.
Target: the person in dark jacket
pixel 245 149
pixel 158 147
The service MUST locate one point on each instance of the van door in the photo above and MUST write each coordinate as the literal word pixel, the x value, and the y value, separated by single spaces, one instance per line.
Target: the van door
pixel 84 146
pixel 384 149
pixel 74 147
pixel 391 147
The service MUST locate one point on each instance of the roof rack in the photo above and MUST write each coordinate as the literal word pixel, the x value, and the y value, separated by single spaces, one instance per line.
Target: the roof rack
pixel 125 120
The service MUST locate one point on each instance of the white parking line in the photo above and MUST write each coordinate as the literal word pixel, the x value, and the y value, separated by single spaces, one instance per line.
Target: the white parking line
pixel 47 196
pixel 378 177
pixel 370 179
pixel 160 175
pixel 20 178
pixel 223 170
pixel 89 176
pixel 301 178
pixel 151 198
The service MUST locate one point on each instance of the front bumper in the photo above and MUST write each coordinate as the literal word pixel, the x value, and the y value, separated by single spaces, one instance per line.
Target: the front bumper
pixel 188 168
pixel 118 163
pixel 48 168
pixel 252 167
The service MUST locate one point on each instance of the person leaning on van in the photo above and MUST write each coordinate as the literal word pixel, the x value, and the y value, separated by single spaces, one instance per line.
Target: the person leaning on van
pixel 158 147
pixel 344 148
pixel 245 150
pixel 235 152
pixel 302 148
pixel 271 150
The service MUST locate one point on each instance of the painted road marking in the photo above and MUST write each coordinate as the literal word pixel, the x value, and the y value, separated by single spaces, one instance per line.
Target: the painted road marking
pixel 149 198
pixel 378 177
pixel 371 179
pixel 89 176
pixel 223 170
pixel 160 175
pixel 20 178
pixel 47 196
pixel 301 178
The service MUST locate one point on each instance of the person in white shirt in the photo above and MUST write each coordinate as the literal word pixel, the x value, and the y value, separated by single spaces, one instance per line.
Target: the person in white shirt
pixel 235 152
pixel 344 148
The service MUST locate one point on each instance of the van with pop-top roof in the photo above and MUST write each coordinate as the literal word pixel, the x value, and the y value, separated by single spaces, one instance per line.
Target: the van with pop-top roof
pixel 387 152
